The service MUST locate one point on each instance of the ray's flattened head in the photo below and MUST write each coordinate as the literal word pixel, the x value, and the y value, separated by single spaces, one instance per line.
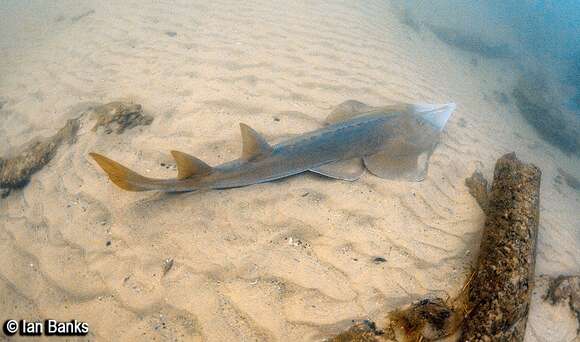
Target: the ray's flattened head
pixel 436 115
pixel 415 136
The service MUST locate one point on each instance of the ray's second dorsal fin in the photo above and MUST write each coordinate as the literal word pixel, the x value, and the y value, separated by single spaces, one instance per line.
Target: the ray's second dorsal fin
pixel 188 166
pixel 254 146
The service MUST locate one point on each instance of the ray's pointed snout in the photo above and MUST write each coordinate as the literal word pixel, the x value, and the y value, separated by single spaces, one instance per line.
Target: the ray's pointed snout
pixel 436 114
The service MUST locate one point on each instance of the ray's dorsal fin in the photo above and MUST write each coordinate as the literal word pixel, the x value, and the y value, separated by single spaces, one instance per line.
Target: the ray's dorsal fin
pixel 188 166
pixel 254 146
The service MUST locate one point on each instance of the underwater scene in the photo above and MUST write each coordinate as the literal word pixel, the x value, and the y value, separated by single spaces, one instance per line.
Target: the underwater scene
pixel 381 170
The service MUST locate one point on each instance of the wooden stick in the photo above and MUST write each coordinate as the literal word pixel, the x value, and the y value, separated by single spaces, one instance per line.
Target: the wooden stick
pixel 499 295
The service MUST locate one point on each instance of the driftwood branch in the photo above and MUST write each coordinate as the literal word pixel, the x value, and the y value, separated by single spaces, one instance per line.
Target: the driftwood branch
pixel 494 304
pixel 499 295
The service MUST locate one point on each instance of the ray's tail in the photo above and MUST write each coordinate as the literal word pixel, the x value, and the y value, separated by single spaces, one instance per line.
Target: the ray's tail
pixel 123 177
pixel 188 167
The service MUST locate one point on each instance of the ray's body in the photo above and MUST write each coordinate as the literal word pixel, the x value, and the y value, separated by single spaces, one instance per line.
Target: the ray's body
pixel 401 136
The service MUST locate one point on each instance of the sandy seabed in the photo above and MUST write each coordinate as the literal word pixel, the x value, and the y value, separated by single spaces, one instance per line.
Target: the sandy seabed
pixel 291 260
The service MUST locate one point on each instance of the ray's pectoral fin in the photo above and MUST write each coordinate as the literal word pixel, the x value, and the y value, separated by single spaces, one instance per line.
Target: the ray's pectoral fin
pixel 349 170
pixel 189 166
pixel 254 146
pixel 399 167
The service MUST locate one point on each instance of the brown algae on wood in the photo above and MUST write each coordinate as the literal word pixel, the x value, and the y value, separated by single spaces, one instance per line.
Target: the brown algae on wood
pixel 499 295
pixel 427 319
pixel 15 172
pixel 365 331
pixel 119 116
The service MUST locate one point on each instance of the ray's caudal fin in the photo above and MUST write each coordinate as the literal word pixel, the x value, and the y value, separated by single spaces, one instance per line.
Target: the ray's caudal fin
pixel 120 175
pixel 187 167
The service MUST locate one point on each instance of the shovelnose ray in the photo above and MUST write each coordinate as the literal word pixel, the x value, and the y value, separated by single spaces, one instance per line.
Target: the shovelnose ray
pixel 393 142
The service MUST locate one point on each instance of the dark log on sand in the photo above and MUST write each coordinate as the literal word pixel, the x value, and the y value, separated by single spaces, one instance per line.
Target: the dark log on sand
pixel 499 291
pixel 499 294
